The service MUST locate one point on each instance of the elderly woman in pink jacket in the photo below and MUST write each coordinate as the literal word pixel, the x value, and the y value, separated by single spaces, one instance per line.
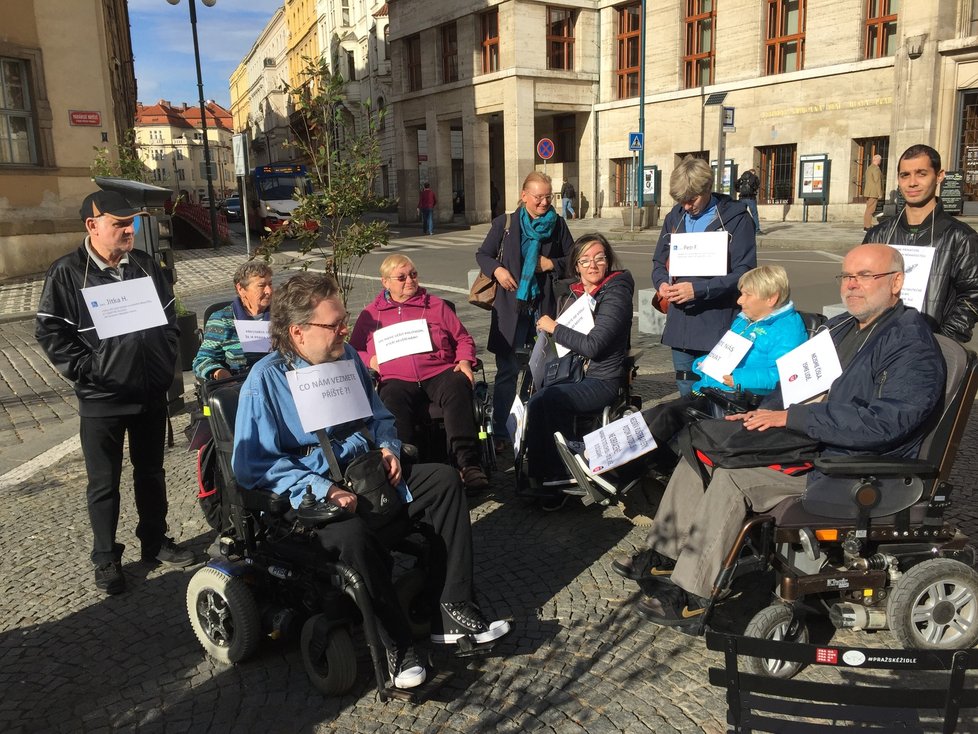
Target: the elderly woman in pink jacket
pixel 424 355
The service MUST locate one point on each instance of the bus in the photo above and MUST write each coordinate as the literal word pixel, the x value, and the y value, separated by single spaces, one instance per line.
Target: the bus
pixel 270 191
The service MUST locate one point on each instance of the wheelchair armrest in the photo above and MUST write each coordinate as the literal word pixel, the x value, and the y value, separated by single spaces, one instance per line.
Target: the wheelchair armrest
pixel 409 453
pixel 265 500
pixel 880 466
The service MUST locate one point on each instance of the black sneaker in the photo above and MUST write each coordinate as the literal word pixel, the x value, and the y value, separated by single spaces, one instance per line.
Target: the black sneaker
pixel 109 578
pixel 465 619
pixel 170 554
pixel 404 668
pixel 644 564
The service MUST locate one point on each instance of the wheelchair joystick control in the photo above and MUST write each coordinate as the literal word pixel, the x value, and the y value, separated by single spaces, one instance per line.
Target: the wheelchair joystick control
pixel 313 512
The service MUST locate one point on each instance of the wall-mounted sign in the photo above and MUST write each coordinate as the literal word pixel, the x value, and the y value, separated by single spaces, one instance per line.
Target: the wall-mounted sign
pixel 91 118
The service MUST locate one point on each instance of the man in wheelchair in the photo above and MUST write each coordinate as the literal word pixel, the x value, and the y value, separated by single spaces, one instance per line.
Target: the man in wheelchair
pixel 273 452
pixel 893 379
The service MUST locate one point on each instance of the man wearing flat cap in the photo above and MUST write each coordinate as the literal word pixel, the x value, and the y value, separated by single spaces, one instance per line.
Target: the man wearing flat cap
pixel 121 380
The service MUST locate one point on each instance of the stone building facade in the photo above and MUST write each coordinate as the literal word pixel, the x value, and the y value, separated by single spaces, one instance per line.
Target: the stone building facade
pixel 477 86
pixel 58 101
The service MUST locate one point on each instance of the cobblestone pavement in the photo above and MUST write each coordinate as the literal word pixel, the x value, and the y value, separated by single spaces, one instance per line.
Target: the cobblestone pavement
pixel 578 659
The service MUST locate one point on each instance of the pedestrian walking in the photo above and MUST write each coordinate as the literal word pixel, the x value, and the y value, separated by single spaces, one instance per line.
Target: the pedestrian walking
pixel 747 187
pixel 426 205
pixel 872 190
pixel 121 381
pixel 567 196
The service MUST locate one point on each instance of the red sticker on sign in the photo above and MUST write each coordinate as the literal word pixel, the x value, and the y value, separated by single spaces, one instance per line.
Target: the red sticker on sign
pixel 827 656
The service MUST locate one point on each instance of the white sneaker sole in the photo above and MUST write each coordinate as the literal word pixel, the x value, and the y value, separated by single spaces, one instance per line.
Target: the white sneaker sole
pixel 410 678
pixel 497 629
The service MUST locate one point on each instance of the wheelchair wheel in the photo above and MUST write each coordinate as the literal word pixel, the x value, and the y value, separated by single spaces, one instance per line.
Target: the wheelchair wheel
pixel 776 622
pixel 935 606
pixel 223 614
pixel 328 656
pixel 411 591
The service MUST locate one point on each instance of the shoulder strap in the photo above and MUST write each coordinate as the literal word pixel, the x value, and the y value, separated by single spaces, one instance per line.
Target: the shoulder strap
pixel 509 221
pixel 334 466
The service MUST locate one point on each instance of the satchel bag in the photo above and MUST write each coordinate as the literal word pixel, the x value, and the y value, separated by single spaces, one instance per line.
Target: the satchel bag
pixel 378 503
pixel 483 291
pixel 728 445
pixel 567 369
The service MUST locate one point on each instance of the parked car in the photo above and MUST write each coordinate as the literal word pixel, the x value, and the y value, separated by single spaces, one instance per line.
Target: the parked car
pixel 232 208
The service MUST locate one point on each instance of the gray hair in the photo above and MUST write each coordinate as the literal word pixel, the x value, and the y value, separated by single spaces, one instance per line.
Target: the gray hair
pixel 294 302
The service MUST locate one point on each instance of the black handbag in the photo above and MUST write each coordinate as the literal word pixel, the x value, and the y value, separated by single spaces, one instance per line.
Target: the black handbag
pixel 378 503
pixel 566 369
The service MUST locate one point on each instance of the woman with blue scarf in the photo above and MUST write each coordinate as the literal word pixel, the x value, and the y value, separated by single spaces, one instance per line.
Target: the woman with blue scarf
pixel 523 252
pixel 220 354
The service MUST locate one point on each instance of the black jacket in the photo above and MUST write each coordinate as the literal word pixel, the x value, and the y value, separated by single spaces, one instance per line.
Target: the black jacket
pixel 606 345
pixel 699 324
pixel 120 375
pixel 502 331
pixel 951 300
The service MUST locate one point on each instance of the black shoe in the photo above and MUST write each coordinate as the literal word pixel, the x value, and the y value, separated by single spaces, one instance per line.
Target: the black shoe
pixel 404 668
pixel 554 502
pixel 465 619
pixel 170 554
pixel 672 607
pixel 644 564
pixel 109 578
pixel 474 479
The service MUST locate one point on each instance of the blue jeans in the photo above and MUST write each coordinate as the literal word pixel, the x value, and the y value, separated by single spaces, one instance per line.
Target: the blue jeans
pixel 554 409
pixel 682 361
pixel 507 374
pixel 427 221
pixel 752 208
pixel 568 208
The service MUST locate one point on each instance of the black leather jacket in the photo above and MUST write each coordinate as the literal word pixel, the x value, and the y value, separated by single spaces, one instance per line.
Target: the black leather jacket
pixel 120 375
pixel 951 301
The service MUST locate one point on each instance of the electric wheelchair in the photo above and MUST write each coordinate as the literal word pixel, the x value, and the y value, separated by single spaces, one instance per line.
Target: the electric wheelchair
pixel 272 577
pixel 881 556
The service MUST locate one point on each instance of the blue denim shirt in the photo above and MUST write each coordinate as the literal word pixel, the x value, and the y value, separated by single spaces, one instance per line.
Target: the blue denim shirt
pixel 272 451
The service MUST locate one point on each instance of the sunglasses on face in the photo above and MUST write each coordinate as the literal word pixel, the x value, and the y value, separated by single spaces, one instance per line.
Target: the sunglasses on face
pixel 413 275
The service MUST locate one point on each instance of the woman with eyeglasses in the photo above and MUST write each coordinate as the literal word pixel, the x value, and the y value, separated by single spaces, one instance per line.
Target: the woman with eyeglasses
pixel 523 252
pixel 605 347
pixel 439 372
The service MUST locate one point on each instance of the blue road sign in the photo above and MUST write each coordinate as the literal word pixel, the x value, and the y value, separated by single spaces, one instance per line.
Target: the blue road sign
pixel 545 148
pixel 636 141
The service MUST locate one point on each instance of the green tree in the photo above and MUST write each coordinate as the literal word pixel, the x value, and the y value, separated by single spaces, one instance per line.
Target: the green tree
pixel 126 163
pixel 343 161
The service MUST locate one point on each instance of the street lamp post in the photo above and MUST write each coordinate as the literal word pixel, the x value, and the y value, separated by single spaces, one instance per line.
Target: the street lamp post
pixel 203 115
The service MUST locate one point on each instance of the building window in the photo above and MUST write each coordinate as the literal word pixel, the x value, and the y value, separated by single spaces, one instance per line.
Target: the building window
pixel 179 154
pixel 623 181
pixel 866 148
pixel 560 38
pixel 490 42
pixel 565 138
pixel 180 175
pixel 412 62
pixel 449 53
pixel 785 43
pixel 629 24
pixel 351 66
pixel 16 116
pixel 700 24
pixel 345 13
pixel 881 26
pixel 777 174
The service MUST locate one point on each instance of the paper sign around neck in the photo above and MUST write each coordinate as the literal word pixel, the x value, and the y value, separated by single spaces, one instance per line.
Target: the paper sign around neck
pixel 124 307
pixel 402 339
pixel 328 394
pixel 698 253
pixel 579 316
pixel 253 335
pixel 809 369
pixel 917 263
pixel 618 443
pixel 725 356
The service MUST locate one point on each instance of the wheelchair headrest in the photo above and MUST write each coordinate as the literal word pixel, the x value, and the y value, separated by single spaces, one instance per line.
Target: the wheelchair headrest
pixel 959 393
pixel 222 399
pixel 812 321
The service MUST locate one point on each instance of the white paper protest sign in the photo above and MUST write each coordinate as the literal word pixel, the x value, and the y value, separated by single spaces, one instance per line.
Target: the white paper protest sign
pixel 698 253
pixel 579 316
pixel 124 307
pixel 328 394
pixel 253 335
pixel 725 356
pixel 402 339
pixel 809 369
pixel 514 424
pixel 618 443
pixel 917 262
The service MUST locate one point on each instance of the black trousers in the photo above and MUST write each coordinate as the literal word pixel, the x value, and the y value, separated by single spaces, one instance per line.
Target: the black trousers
pixel 449 390
pixel 102 444
pixel 439 502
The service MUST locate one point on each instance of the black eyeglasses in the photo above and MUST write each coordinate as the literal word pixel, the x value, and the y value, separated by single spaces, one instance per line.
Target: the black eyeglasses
pixel 585 262
pixel 413 275
pixel 338 326
pixel 863 278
